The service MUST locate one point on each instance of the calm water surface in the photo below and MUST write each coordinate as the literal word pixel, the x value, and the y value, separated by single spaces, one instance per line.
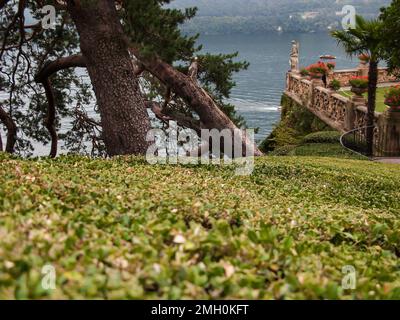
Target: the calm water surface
pixel 259 89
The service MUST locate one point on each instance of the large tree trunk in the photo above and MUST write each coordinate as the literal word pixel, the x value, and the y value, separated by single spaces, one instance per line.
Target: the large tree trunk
pixel 372 84
pixel 209 113
pixel 124 117
pixel 11 131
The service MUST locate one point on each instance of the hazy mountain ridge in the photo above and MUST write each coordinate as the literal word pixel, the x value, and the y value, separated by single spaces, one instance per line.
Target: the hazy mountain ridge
pixel 231 16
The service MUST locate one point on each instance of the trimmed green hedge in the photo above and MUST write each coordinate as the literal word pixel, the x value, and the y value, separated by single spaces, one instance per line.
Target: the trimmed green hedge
pixel 296 122
pixel 323 137
pixel 121 228
pixel 283 151
pixel 333 150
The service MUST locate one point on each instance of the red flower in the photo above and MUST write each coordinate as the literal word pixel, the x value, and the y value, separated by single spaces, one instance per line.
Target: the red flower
pixel 318 68
pixel 392 96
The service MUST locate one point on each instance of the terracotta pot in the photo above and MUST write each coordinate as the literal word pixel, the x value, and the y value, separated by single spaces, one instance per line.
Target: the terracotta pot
pixel 365 60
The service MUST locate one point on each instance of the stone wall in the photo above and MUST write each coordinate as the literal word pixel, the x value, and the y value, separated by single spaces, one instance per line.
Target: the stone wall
pixel 345 75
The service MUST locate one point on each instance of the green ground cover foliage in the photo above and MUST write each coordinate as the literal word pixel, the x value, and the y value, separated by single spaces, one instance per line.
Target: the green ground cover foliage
pixel 121 228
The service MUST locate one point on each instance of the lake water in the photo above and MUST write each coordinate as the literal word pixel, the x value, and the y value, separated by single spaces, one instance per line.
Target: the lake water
pixel 259 89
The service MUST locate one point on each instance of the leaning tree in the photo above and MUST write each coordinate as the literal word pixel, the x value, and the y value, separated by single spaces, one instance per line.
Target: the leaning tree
pixel 135 58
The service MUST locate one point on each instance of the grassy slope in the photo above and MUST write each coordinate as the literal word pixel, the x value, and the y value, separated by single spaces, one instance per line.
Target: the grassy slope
pixel 110 228
pixel 380 98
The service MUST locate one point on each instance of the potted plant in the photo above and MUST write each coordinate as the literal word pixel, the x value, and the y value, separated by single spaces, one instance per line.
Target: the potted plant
pixel 335 85
pixel 392 98
pixel 318 70
pixel 363 68
pixel 364 58
pixel 304 72
pixel 331 65
pixel 359 85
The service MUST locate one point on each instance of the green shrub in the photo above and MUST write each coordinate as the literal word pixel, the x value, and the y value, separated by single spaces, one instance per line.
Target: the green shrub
pixel 332 150
pixel 124 229
pixel 296 122
pixel 359 82
pixel 304 72
pixel 392 96
pixel 282 151
pixel 335 84
pixel 324 150
pixel 323 137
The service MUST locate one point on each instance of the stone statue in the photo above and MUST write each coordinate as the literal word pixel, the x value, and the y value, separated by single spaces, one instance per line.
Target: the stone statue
pixel 194 69
pixel 294 57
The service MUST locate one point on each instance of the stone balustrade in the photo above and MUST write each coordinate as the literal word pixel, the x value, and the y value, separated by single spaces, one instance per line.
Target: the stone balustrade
pixel 328 105
pixel 342 113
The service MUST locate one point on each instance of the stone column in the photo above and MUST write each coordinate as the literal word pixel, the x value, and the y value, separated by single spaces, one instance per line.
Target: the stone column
pixel 350 119
pixel 363 69
pixel 389 134
pixel 314 83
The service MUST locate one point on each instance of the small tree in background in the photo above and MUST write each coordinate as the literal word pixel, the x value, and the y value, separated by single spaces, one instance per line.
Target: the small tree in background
pixel 365 38
pixel 36 73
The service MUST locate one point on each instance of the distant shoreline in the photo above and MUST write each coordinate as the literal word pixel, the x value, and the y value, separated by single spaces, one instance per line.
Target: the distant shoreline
pixel 259 33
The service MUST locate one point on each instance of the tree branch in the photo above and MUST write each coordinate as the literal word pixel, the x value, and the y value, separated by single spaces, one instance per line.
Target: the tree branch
pixel 11 130
pixel 181 119
pixel 49 68
pixel 3 3
pixel 197 98
pixel 51 117
pixel 43 77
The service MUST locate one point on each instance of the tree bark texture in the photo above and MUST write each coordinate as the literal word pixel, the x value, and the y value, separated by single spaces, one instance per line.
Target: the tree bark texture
pixel 11 130
pixel 124 118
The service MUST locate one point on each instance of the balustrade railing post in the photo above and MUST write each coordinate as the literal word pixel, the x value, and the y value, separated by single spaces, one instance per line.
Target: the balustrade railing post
pixel 314 83
pixel 389 133
pixel 350 116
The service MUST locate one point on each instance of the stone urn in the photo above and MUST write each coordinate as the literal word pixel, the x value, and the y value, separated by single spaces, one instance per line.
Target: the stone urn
pixel 363 67
pixel 359 91
pixel 315 75
pixel 363 64
pixel 316 78
pixel 358 97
